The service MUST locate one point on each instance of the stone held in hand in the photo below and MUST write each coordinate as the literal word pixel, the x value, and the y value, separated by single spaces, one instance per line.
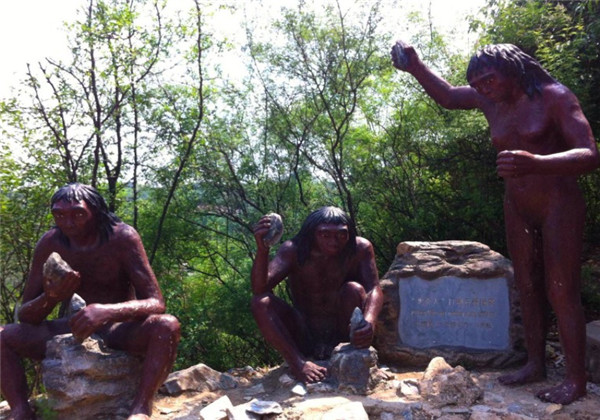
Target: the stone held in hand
pixel 55 269
pixel 399 57
pixel 357 321
pixel 275 231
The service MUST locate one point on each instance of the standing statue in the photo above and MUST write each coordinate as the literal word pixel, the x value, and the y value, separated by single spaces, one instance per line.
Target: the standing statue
pixel 111 272
pixel 544 142
pixel 330 271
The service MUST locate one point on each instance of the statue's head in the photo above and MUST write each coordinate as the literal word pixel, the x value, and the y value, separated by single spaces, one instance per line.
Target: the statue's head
pixel 329 215
pixel 512 62
pixel 76 192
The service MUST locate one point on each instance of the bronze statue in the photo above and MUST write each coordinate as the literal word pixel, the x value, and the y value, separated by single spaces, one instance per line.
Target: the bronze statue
pixel 544 142
pixel 112 274
pixel 330 271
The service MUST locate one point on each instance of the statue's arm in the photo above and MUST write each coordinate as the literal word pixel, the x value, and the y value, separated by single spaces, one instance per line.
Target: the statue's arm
pixel 446 95
pixel 581 152
pixel 582 156
pixel 131 257
pixel 369 280
pixel 267 274
pixel 37 302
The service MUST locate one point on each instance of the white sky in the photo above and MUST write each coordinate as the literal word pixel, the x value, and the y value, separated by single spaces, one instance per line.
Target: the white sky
pixel 31 30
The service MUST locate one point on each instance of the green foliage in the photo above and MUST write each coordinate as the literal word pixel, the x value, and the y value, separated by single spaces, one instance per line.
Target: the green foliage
pixel 43 409
pixel 320 118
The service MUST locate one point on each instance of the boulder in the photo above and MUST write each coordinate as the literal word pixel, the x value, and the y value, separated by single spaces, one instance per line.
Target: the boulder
pixel 454 299
pixel 443 385
pixel 198 378
pixel 355 370
pixel 592 361
pixel 88 380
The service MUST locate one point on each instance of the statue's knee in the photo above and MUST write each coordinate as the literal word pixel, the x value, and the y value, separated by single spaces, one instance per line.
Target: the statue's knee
pixel 166 325
pixel 354 291
pixel 7 335
pixel 260 304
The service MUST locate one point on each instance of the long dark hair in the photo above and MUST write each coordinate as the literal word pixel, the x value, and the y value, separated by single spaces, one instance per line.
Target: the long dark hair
pixel 328 214
pixel 512 62
pixel 77 192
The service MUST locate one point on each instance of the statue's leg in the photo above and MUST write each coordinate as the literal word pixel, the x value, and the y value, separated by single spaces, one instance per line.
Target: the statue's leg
pixel 19 341
pixel 352 295
pixel 563 237
pixel 156 338
pixel 525 249
pixel 285 329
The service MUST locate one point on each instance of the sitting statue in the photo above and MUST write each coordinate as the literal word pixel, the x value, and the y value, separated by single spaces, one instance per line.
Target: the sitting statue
pixel 330 271
pixel 111 272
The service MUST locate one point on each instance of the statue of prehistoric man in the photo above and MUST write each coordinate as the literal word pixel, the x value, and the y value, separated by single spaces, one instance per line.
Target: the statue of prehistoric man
pixel 111 272
pixel 544 142
pixel 329 271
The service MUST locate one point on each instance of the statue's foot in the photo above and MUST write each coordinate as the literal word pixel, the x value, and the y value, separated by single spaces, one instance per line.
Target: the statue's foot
pixel 528 373
pixel 565 393
pixel 22 413
pixel 138 417
pixel 309 372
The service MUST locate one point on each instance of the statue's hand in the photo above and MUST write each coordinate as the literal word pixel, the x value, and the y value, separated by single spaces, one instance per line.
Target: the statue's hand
pixel 363 337
pixel 402 55
pixel 261 228
pixel 62 288
pixel 88 320
pixel 514 163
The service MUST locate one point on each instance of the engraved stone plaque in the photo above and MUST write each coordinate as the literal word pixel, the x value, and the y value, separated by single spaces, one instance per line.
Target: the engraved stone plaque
pixel 451 311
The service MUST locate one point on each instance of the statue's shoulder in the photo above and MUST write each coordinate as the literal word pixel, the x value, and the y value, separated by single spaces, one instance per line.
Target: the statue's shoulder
pixel 557 92
pixel 50 237
pixel 364 247
pixel 124 232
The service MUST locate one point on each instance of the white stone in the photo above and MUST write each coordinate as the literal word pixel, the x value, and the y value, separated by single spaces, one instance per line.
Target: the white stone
pixel 217 410
pixel 351 411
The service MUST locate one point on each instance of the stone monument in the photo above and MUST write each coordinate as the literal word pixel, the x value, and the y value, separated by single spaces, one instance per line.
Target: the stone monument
pixel 453 299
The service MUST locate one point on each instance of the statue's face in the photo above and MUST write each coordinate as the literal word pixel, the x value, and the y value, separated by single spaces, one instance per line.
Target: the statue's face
pixel 492 84
pixel 74 218
pixel 331 238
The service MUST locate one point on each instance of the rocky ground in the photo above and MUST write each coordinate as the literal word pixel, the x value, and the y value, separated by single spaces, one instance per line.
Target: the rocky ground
pixel 386 403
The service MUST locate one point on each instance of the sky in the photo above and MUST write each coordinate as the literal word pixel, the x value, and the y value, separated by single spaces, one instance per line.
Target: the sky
pixel 31 30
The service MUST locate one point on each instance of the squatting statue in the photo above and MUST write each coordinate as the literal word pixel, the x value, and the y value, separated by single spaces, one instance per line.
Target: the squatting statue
pixel 330 271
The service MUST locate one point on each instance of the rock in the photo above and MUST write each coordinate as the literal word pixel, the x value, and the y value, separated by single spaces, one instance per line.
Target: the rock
pixel 350 411
pixel 217 410
pixel 255 390
pixel 320 387
pixel 443 385
pixel 592 361
pixel 70 308
pixel 264 408
pixel 409 389
pixel 197 378
pixel 357 321
pixel 88 380
pixel 353 369
pixel 286 380
pixel 454 299
pixel 239 412
pixel 275 231
pixel 299 389
pixel 55 268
